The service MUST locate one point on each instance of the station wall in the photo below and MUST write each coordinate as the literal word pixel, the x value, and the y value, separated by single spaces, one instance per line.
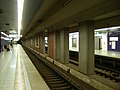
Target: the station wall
pixel 114 41
pixel 101 41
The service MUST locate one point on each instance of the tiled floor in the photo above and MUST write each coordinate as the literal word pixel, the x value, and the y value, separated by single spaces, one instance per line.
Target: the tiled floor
pixel 7 68
pixel 17 71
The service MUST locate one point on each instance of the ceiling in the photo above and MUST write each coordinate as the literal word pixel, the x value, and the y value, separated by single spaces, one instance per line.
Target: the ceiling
pixel 41 14
pixel 57 14
pixel 54 11
pixel 8 16
pixel 30 9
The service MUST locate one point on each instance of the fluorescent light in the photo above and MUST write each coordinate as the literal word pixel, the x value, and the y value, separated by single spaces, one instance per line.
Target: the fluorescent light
pixel 20 11
pixel 5 38
pixel 114 27
pixel 12 31
pixel 13 35
pixel 103 29
pixel 4 34
pixel 74 34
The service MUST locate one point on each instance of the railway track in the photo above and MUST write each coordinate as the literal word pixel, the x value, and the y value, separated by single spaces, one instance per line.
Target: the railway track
pixel 55 80
pixel 107 73
pixel 104 66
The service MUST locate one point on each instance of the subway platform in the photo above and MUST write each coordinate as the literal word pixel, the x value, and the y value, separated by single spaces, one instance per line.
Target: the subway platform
pixel 17 71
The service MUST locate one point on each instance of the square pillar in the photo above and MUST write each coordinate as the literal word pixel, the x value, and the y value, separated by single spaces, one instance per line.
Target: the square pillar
pixel 43 42
pixel 0 42
pixel 51 44
pixel 32 42
pixel 57 45
pixel 86 47
pixel 64 46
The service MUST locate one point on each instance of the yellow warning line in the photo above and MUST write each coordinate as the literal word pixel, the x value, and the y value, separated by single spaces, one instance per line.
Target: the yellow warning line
pixel 19 83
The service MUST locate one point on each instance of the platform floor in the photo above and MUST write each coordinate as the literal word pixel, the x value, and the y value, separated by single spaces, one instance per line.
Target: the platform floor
pixel 108 53
pixel 17 71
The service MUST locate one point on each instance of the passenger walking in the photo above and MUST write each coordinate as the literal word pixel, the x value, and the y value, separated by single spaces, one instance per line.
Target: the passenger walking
pixel 11 44
pixel 8 49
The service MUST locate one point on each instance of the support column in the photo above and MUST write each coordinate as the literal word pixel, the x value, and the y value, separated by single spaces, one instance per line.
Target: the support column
pixel 57 45
pixel 64 46
pixel 51 44
pixel 86 47
pixel 0 42
pixel 43 42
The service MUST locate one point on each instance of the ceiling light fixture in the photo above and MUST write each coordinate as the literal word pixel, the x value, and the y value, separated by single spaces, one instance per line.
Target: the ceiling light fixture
pixel 104 29
pixel 6 38
pixel 4 34
pixel 116 27
pixel 20 4
pixel 15 35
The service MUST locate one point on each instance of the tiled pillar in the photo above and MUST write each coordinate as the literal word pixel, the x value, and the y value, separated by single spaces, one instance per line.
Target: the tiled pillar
pixel 86 47
pixel 64 46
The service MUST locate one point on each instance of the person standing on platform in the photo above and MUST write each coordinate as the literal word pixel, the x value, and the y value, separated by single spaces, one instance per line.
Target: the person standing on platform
pixel 11 44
